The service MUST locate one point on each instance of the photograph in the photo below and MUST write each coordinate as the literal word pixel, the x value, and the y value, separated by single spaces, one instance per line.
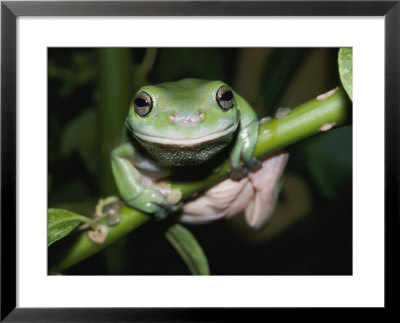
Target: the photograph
pixel 200 161
pixel 196 160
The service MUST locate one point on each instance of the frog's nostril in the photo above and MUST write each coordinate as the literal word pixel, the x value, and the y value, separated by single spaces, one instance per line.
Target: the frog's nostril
pixel 186 118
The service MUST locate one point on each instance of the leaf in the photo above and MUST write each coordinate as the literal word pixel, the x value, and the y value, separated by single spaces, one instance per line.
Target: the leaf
pixel 82 134
pixel 329 159
pixel 60 223
pixel 189 249
pixel 78 70
pixel 345 61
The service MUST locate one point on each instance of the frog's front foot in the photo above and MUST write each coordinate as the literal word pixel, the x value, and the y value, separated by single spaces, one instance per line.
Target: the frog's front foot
pixel 241 171
pixel 253 163
pixel 158 200
pixel 238 172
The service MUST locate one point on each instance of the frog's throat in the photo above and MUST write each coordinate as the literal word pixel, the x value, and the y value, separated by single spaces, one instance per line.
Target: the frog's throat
pixel 186 142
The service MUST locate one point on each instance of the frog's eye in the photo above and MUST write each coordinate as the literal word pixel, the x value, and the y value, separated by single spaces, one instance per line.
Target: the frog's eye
pixel 143 104
pixel 225 97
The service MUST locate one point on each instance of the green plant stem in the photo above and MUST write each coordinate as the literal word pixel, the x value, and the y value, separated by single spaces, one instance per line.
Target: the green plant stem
pixel 304 121
pixel 115 84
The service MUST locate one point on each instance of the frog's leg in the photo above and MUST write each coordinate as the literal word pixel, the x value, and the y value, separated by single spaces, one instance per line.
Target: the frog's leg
pixel 243 150
pixel 225 199
pixel 255 193
pixel 266 187
pixel 130 182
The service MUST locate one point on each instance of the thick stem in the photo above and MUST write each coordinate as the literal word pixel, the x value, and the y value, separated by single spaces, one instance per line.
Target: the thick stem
pixel 115 84
pixel 306 120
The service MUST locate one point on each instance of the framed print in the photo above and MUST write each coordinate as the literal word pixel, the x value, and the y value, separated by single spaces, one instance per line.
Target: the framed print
pixel 257 166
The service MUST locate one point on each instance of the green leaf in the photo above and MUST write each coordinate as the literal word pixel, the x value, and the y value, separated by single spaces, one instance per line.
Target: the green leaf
pixel 74 73
pixel 189 249
pixel 329 160
pixel 345 61
pixel 82 134
pixel 60 223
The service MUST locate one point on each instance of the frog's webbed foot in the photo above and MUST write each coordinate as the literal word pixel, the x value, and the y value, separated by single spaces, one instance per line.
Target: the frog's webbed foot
pixel 159 200
pixel 239 171
pixel 253 163
pixel 256 194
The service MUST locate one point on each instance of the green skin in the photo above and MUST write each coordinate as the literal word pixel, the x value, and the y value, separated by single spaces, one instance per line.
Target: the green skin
pixel 185 126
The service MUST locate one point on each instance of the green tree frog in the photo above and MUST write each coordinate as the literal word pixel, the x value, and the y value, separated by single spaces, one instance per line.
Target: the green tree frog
pixel 184 125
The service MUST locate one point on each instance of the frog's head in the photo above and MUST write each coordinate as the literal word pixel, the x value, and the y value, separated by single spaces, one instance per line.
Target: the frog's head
pixel 185 122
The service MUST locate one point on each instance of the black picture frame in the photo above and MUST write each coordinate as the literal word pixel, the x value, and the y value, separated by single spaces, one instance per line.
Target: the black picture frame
pixel 10 10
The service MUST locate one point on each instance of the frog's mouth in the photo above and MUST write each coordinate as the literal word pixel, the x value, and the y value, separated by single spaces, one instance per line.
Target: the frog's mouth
pixel 186 142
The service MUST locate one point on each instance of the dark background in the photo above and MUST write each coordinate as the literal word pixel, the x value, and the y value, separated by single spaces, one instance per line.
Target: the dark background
pixel 89 91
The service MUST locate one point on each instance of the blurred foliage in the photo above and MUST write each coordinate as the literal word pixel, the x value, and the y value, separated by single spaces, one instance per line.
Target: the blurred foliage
pixel 189 249
pixel 89 91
